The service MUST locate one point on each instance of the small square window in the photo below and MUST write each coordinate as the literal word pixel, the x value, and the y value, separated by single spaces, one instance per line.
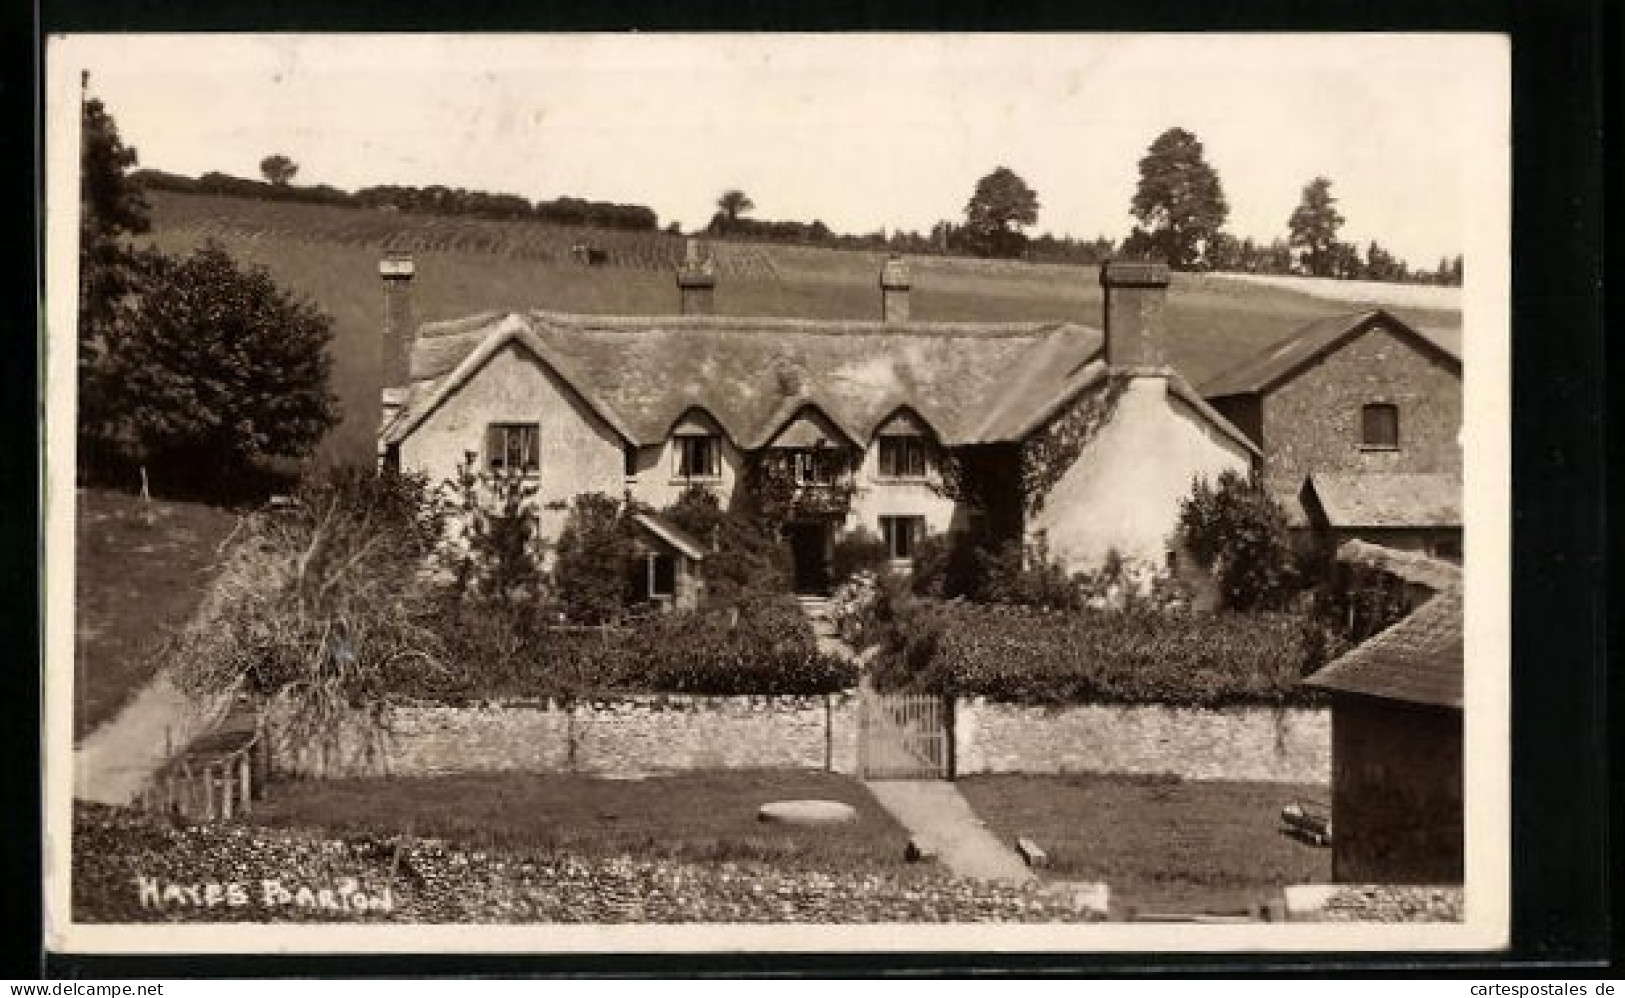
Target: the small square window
pixel 1379 426
pixel 513 447
pixel 901 534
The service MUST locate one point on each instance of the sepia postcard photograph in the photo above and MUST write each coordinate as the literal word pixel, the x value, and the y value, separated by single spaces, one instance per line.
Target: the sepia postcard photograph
pixel 744 492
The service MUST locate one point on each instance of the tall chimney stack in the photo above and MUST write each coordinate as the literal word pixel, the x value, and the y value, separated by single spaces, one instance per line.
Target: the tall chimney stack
pixel 894 285
pixel 395 367
pixel 1136 293
pixel 696 281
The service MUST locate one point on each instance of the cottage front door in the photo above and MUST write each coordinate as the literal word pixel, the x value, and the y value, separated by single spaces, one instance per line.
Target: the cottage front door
pixel 809 552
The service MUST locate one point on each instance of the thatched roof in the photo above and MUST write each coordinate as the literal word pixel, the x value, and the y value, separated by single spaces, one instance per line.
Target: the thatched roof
pixel 970 382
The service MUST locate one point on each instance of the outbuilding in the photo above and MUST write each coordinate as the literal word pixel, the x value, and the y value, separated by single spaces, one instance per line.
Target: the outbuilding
pixel 1397 750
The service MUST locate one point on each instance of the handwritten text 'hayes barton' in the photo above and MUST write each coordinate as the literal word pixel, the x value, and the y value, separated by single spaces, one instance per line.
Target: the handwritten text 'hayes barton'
pixel 345 896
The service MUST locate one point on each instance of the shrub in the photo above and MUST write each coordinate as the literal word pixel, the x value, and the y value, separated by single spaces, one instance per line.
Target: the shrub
pixel 1025 575
pixel 321 608
pixel 1237 530
pixel 747 557
pixel 1138 655
pixel 858 551
pixel 763 646
pixel 592 574
pixel 499 554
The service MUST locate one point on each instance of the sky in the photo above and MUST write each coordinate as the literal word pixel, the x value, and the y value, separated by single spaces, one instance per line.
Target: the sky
pixel 862 131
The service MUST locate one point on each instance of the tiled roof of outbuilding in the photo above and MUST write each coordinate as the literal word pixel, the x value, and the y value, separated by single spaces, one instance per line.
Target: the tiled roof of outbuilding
pixel 1417 660
pixel 1413 567
pixel 1283 359
pixel 1384 499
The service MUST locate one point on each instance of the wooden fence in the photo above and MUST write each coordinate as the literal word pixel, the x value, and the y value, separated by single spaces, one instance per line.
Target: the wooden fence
pixel 218 777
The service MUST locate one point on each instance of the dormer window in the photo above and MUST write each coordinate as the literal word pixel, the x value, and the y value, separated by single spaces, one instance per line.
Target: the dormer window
pixel 698 455
pixel 1379 426
pixel 513 447
pixel 902 456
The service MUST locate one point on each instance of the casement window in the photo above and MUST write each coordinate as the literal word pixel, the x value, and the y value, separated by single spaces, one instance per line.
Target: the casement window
pixel 697 456
pixel 513 447
pixel 901 534
pixel 902 457
pixel 813 467
pixel 1379 426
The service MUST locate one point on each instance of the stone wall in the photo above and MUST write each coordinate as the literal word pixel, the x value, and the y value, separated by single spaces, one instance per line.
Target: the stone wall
pixel 618 737
pixel 1288 745
pixel 655 734
pixel 1312 421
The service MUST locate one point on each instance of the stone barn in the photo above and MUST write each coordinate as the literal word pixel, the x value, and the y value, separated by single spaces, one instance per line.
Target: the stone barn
pixel 1397 750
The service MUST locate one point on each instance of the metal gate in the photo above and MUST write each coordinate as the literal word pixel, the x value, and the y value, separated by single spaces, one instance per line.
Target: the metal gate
pixel 904 736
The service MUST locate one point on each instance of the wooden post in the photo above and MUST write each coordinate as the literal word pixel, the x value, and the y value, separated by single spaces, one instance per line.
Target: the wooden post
pixel 208 792
pixel 227 791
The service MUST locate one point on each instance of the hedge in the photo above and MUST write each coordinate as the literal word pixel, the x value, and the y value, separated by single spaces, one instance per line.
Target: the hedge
pixel 1136 656
pixel 759 647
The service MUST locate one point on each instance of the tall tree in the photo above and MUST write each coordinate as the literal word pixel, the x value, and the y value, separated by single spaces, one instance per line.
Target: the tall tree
pixel 279 169
pixel 734 203
pixel 1313 229
pixel 111 209
pixel 1179 204
pixel 1001 206
pixel 219 368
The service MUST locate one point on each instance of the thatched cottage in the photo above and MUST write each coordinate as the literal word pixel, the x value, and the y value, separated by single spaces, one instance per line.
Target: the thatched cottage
pixel 1082 435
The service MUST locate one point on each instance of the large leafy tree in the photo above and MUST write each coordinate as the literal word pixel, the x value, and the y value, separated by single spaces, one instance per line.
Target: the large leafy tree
pixel 1313 230
pixel 1179 203
pixel 1000 207
pixel 1236 529
pixel 111 209
pixel 218 368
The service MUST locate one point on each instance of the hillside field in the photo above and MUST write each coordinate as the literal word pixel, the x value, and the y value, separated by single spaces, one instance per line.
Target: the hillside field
pixel 467 265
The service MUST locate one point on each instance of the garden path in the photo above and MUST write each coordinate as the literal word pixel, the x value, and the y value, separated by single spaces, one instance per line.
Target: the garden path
pixel 942 822
pixel 934 812
pixel 111 764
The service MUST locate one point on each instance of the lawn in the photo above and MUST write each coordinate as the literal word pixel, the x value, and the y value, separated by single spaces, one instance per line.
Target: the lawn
pixel 692 817
pixel 468 265
pixel 1163 844
pixel 134 581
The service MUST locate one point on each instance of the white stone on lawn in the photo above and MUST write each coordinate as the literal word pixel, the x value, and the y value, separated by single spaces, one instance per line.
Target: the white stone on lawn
pixel 807 812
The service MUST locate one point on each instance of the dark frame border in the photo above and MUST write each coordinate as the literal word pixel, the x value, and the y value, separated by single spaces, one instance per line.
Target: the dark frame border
pixel 1560 882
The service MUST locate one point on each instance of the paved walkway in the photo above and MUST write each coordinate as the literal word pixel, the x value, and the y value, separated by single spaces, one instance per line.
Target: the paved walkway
pixel 111 764
pixel 941 820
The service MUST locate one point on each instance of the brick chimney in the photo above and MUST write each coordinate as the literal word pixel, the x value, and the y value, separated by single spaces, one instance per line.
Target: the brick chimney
pixel 395 359
pixel 697 281
pixel 894 285
pixel 1136 293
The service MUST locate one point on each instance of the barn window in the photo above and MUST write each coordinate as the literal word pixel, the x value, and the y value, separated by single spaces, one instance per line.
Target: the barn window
pixel 1379 426
pixel 902 457
pixel 513 447
pixel 901 533
pixel 698 456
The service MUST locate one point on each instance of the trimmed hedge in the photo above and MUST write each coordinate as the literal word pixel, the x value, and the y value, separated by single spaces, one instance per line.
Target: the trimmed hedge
pixel 762 646
pixel 1135 656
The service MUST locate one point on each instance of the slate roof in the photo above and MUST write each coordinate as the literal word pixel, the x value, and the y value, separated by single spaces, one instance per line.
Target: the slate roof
pixel 1413 567
pixel 1383 499
pixel 1417 660
pixel 671 533
pixel 1286 357
pixel 971 382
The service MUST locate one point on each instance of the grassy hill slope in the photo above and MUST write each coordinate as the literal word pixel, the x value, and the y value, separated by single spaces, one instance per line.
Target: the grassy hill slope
pixel 468 265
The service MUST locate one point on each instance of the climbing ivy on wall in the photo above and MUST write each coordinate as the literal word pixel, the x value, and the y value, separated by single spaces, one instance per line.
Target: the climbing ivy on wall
pixel 1048 454
pixel 770 478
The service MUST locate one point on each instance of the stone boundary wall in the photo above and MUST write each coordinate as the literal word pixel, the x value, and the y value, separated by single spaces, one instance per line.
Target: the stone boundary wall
pixel 621 736
pixel 652 734
pixel 1265 744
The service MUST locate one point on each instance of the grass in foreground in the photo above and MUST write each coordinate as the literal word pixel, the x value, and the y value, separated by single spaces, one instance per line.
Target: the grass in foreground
pixel 133 582
pixel 1162 843
pixel 698 817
